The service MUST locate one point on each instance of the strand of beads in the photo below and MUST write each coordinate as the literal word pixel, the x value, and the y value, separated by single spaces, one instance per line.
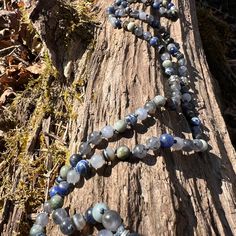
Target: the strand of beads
pixel 175 71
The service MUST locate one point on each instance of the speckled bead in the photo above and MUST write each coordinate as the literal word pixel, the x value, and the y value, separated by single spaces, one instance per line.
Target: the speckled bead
pixel 141 113
pixel 36 230
pixel 131 119
pixel 122 152
pixel 120 126
pixel 98 211
pixel 82 167
pixel 67 227
pixel 166 140
pixel 139 151
pixel 56 202
pixel 147 36
pixel 138 31
pixel 154 41
pixel 53 191
pixel 109 154
pixel 153 143
pixel 59 215
pixel 64 170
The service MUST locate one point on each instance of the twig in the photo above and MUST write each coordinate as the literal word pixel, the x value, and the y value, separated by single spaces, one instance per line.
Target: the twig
pixel 20 59
pixel 55 137
pixel 5 50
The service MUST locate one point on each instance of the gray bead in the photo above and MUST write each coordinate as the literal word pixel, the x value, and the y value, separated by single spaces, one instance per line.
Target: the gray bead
pixel 141 113
pixel 109 154
pixel 67 227
pixel 139 151
pixel 178 143
pixel 147 36
pixel 169 71
pixel 120 126
pixel 111 220
pixel 112 20
pixel 85 148
pixel 197 145
pixel 105 232
pixel 150 107
pixel 95 138
pixel 186 97
pixel 184 80
pixel 134 14
pixel 58 215
pixel 142 15
pixel 183 71
pixel 122 152
pixel 107 131
pixel 35 230
pixel 159 100
pixel 138 31
pixel 165 56
pixel 79 221
pixel 162 11
pixel 182 62
pixel 97 161
pixel 153 143
pixel 42 219
pixel 188 145
pixel 98 210
pixel 47 207
pixel 205 145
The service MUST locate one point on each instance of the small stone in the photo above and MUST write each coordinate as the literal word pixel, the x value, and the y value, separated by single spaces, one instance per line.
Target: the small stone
pixel 42 219
pixel 98 211
pixel 153 143
pixel 122 152
pixel 141 113
pixel 107 131
pixel 120 126
pixel 139 151
pixel 97 161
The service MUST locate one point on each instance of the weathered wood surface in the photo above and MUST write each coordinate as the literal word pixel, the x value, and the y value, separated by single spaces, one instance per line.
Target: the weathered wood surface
pixel 168 193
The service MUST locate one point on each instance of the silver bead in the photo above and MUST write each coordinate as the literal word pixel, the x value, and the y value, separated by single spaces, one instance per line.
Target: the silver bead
pixel 178 143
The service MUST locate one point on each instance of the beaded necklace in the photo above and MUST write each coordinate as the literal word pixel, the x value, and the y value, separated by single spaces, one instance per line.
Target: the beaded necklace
pixel 174 68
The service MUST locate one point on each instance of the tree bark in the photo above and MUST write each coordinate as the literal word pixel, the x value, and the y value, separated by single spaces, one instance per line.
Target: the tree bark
pixel 170 193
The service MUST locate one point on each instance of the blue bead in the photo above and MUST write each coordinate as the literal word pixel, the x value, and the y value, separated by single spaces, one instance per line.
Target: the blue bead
pixel 173 50
pixel 118 23
pixel 118 2
pixel 63 188
pixel 110 10
pixel 170 5
pixel 155 24
pixel 82 167
pixel 196 132
pixel 131 119
pixel 89 217
pixel 195 121
pixel 59 180
pixel 156 5
pixel 169 71
pixel 154 41
pixel 166 140
pixel 53 191
pixel 74 159
pixel 124 4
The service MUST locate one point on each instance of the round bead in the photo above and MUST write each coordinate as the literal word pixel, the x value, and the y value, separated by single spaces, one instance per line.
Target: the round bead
pixel 131 119
pixel 156 5
pixel 56 202
pixel 159 100
pixel 67 227
pixel 186 97
pixel 165 56
pixel 205 145
pixel 82 167
pixel 122 152
pixel 107 131
pixel 195 121
pixel 85 148
pixel 147 36
pixel 153 143
pixel 183 71
pixel 59 215
pixel 150 107
pixel 162 11
pixel 42 219
pixel 63 171
pixel 97 161
pixel 120 126
pixel 58 180
pixel 138 31
pixel 139 151
pixel 197 145
pixel 178 143
pixel 53 191
pixel 187 145
pixel 74 159
pixel 79 221
pixel 182 62
pixel 105 232
pixel 36 230
pixel 169 71
pixel 184 80
pixel 98 211
pixel 110 10
pixel 142 15
pixel 141 113
pixel 131 26
pixel 47 207
pixel 167 63
pixel 154 41
pixel 95 138
pixel 63 188
pixel 111 220
pixel 109 154
pixel 89 217
pixel 73 177
pixel 196 132
pixel 166 140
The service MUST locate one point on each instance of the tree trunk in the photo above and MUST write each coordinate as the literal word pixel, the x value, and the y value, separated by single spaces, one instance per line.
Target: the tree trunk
pixel 169 193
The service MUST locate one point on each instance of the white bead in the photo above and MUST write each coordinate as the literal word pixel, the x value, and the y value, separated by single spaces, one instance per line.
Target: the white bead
pixel 178 143
pixel 142 113
pixel 73 177
pixel 107 131
pixel 97 161
pixel 98 211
